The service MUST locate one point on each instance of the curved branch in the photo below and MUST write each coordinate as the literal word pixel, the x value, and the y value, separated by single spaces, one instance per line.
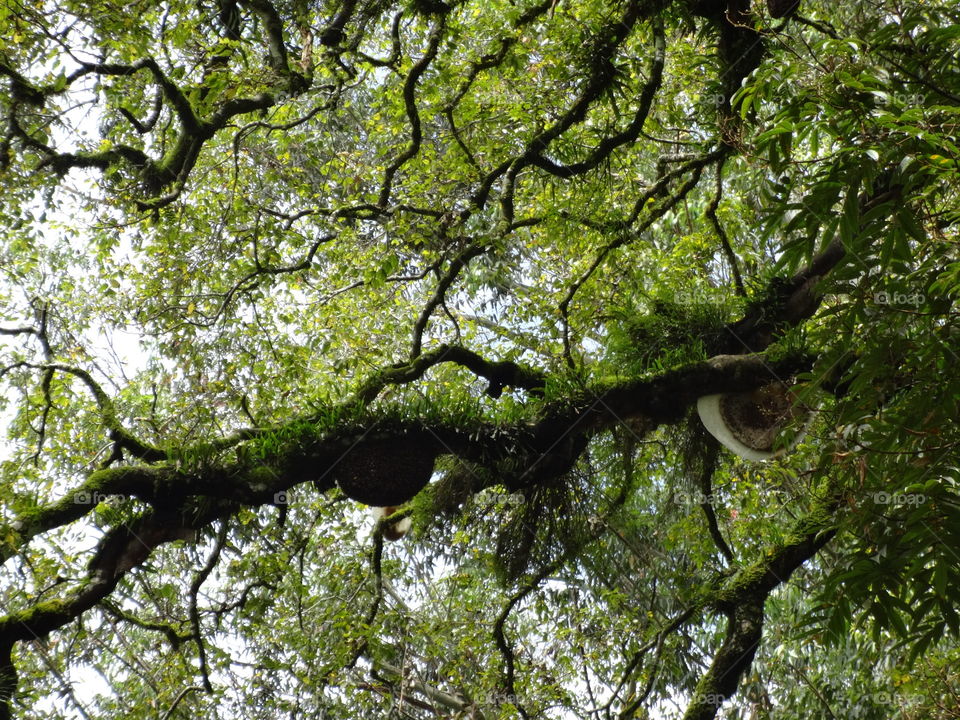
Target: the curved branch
pixel 194 131
pixel 276 48
pixel 601 76
pixel 500 374
pixel 332 34
pixel 657 644
pixel 707 500
pixel 413 115
pixel 742 600
pixel 506 652
pixel 120 550
pixel 108 412
pixel 711 213
pixel 492 60
pixel 247 283
pixel 629 133
pixel 626 236
pixel 194 592
pixel 178 100
pixel 177 700
pixel 790 302
pixel 168 630
pixel 456 265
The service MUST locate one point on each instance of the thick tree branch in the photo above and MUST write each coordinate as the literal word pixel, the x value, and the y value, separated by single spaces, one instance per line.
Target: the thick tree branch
pixel 365 465
pixel 543 450
pixel 123 548
pixel 790 302
pixel 18 331
pixel 194 130
pixel 332 34
pixel 742 598
pixel 277 49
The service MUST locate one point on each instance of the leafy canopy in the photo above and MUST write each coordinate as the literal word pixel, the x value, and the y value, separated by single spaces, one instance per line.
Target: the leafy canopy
pixel 261 259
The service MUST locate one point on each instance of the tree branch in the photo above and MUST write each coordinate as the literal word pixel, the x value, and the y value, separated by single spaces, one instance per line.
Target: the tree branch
pixel 711 213
pixel 630 133
pixel 500 374
pixel 108 412
pixel 456 265
pixel 413 115
pixel 742 599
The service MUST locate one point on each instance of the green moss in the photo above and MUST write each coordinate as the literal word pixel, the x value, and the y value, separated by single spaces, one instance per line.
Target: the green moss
pixel 277 444
pixel 670 334
pixel 819 519
pixel 731 590
pixel 37 617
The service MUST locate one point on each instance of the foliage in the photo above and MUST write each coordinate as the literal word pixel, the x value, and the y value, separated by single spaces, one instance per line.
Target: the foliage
pixel 260 259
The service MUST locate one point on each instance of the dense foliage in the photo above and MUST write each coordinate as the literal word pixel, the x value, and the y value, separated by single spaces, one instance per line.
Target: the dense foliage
pixel 264 260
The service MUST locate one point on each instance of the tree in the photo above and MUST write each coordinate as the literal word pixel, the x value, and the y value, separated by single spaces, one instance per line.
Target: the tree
pixel 263 259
